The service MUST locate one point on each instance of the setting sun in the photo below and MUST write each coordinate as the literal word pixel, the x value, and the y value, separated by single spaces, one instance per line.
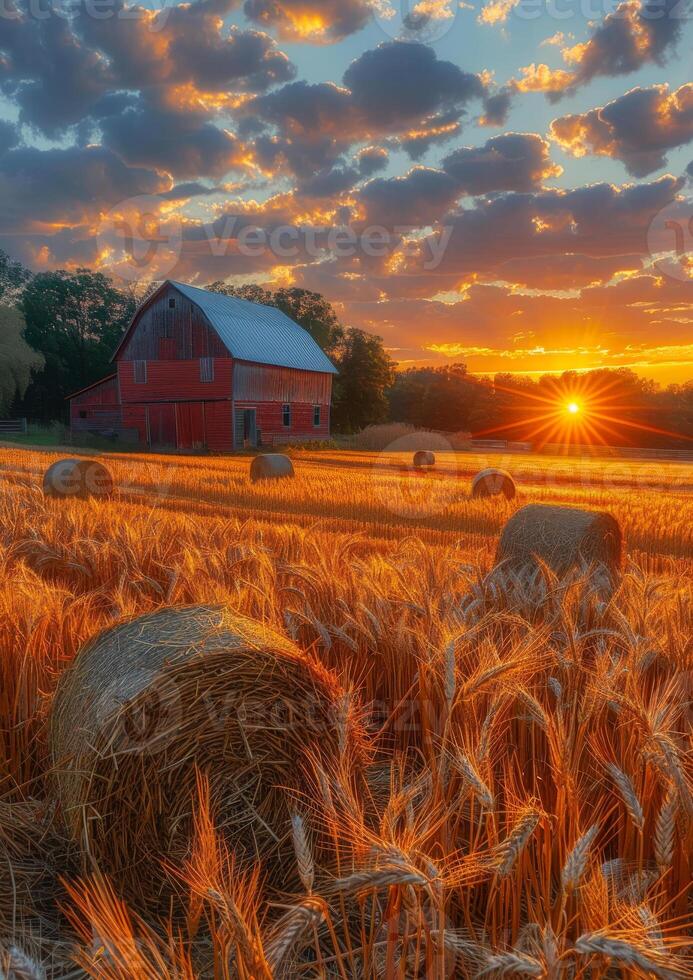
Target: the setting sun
pixel 573 408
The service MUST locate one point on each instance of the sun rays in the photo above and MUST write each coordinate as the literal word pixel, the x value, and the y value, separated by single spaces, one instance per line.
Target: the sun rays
pixel 573 410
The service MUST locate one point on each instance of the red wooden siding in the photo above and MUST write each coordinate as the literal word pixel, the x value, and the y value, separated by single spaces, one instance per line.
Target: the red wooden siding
pixel 218 426
pixel 183 327
pixel 269 420
pixel 267 389
pixel 265 383
pixel 102 393
pixel 175 381
pixel 134 417
pixel 162 424
pixel 97 408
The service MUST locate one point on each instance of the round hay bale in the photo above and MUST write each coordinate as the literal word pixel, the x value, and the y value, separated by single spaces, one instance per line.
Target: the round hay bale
pixel 271 466
pixel 424 458
pixel 490 482
pixel 151 703
pixel 77 478
pixel 562 537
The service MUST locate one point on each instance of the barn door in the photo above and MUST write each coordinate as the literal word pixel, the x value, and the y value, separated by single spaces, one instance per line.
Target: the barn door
pixel 190 425
pixel 197 424
pixel 183 433
pixel 162 425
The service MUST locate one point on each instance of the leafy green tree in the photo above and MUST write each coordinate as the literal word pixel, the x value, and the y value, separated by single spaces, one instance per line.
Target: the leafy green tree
pixel 366 372
pixel 75 319
pixel 17 359
pixel 13 276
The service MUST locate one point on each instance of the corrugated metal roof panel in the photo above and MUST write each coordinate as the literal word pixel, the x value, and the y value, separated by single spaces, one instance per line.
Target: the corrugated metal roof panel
pixel 262 334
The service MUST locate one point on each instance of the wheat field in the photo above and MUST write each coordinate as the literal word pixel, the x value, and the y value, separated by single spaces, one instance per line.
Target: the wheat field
pixel 527 802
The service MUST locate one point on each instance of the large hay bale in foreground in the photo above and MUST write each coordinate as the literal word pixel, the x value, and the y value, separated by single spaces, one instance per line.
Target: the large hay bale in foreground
pixel 77 478
pixel 491 482
pixel 424 458
pixel 561 537
pixel 271 466
pixel 150 703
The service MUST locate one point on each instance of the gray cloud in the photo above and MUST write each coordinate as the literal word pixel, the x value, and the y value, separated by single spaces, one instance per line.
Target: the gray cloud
pixel 637 128
pixel 182 143
pixel 182 44
pixel 628 38
pixel 497 107
pixel 58 67
pixel 513 161
pixel 405 81
pixel 72 185
pixel 418 199
pixel 401 90
pixel 594 220
pixel 53 78
pixel 329 183
pixel 372 160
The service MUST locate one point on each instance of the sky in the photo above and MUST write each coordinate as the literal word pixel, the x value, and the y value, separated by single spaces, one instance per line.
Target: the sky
pixel 505 183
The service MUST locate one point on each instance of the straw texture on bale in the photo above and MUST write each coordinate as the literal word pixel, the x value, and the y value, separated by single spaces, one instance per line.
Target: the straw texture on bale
pixel 149 704
pixel 424 458
pixel 490 482
pixel 77 478
pixel 562 538
pixel 271 466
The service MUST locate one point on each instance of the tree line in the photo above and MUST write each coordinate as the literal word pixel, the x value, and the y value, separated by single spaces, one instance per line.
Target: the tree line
pixel 59 329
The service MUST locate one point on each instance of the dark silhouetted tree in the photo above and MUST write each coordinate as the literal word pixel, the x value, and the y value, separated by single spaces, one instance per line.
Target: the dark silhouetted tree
pixel 13 276
pixel 366 372
pixel 17 359
pixel 75 320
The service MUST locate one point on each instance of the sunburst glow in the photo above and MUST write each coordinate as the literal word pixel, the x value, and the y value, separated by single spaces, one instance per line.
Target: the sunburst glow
pixel 573 410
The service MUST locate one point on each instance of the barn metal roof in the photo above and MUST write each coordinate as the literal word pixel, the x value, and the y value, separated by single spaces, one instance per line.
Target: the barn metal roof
pixel 262 334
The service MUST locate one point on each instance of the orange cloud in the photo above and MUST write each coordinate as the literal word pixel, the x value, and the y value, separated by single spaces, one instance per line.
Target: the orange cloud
pixel 497 11
pixel 541 78
pixel 635 33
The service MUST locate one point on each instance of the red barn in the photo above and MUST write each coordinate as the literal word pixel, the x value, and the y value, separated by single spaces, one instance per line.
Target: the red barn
pixel 201 370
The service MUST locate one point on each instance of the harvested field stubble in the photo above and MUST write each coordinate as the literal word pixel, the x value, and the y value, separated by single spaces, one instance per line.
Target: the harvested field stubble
pixel 529 808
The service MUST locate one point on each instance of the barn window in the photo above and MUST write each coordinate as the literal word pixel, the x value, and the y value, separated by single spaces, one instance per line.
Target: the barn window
pixel 82 414
pixel 316 416
pixel 140 368
pixel 206 369
pixel 172 303
pixel 286 415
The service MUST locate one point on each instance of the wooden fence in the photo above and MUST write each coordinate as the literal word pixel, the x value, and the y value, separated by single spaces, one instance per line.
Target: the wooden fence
pixel 13 426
